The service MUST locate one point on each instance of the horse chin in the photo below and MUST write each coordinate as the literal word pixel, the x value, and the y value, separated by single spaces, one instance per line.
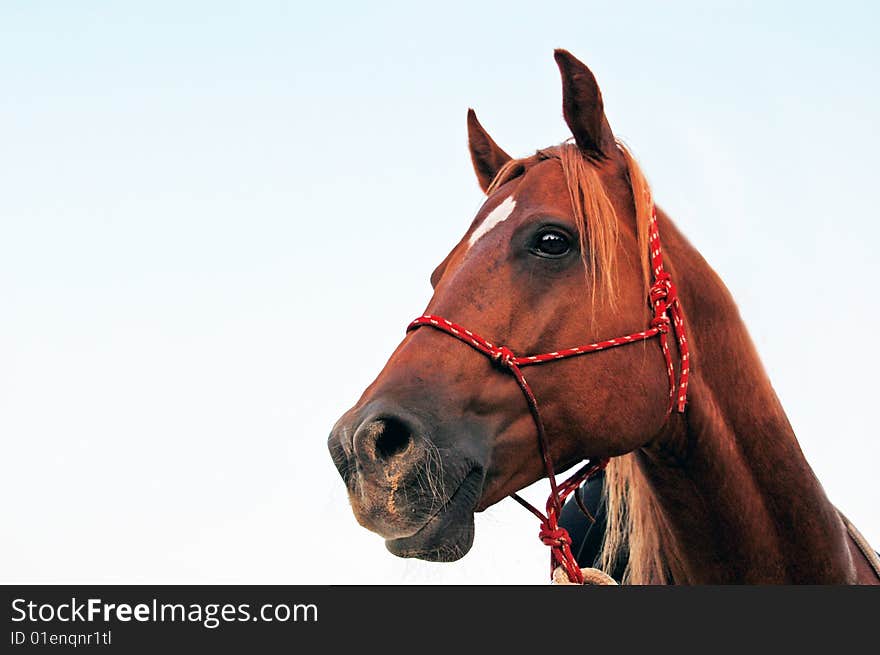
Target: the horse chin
pixel 440 543
pixel 449 534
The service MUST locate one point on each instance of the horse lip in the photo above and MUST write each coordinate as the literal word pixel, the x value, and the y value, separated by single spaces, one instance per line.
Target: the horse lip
pixel 440 511
pixel 449 501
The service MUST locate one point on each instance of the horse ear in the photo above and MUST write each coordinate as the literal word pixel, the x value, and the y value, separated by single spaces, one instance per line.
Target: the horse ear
pixel 486 156
pixel 583 108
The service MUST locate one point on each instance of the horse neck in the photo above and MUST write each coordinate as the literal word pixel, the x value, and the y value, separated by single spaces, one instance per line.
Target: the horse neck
pixel 737 493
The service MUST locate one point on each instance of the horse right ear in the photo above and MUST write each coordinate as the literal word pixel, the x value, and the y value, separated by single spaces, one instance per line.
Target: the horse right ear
pixel 583 108
pixel 486 155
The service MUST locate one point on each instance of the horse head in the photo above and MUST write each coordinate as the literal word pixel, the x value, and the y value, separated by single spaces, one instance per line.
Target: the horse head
pixel 557 255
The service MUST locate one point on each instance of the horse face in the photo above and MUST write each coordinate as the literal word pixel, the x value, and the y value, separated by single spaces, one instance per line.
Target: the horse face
pixel 441 432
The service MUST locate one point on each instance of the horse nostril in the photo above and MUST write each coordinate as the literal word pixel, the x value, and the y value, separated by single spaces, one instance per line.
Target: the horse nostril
pixel 394 438
pixel 383 440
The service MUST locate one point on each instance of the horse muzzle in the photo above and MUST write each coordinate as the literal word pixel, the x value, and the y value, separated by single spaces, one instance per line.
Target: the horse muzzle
pixel 401 485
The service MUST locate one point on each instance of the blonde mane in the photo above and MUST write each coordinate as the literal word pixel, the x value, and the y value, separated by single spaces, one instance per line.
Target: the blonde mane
pixel 636 527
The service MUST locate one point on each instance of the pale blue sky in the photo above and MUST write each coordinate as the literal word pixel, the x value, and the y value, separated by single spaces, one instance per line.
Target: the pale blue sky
pixel 195 198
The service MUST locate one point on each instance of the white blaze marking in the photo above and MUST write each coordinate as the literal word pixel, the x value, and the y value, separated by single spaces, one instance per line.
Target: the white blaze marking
pixel 498 215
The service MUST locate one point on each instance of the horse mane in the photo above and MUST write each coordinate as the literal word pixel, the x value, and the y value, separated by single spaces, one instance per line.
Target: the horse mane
pixel 636 526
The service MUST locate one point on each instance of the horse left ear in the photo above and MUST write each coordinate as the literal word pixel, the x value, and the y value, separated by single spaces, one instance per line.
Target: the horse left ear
pixel 583 108
pixel 486 155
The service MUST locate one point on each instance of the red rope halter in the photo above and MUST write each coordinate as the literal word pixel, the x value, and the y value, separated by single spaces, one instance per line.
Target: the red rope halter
pixel 667 312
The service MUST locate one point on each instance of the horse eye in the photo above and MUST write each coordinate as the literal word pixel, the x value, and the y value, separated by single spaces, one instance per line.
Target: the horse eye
pixel 551 243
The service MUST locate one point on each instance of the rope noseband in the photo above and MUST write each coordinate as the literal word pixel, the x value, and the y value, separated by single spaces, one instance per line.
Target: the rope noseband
pixel 667 315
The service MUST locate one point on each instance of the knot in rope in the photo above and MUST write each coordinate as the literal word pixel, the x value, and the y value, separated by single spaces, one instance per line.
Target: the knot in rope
pixel 663 290
pixel 551 536
pixel 503 357
pixel 661 323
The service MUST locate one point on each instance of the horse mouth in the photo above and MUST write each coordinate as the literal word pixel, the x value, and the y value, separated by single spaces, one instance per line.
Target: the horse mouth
pixel 448 534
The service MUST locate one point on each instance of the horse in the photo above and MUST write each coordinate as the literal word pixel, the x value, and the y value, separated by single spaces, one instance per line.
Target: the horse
pixel 705 482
